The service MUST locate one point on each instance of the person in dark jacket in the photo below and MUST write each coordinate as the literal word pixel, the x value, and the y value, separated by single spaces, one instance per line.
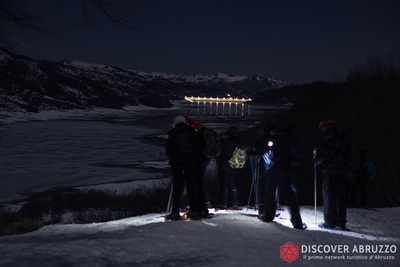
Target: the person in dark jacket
pixel 333 155
pixel 360 181
pixel 287 154
pixel 266 183
pixel 267 180
pixel 182 151
pixel 201 165
pixel 229 196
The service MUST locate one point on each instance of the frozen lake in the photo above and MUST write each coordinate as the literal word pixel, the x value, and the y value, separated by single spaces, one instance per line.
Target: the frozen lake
pixel 37 156
pixel 77 149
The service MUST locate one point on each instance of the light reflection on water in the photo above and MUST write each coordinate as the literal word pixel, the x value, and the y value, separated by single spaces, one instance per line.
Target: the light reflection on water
pixel 219 108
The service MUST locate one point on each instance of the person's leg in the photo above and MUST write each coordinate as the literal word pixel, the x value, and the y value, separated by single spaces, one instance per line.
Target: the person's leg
pixel 354 193
pixel 233 195
pixel 290 197
pixel 200 188
pixel 342 192
pixel 261 193
pixel 270 197
pixel 178 182
pixel 190 178
pixel 224 190
pixel 329 201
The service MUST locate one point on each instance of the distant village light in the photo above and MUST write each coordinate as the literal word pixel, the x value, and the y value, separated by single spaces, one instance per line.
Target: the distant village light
pixel 217 99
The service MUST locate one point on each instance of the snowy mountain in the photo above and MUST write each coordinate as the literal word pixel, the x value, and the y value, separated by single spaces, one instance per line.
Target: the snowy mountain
pixel 34 85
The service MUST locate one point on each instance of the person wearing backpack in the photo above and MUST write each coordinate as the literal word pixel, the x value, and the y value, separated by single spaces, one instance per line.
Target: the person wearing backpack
pixel 201 165
pixel 360 181
pixel 182 150
pixel 287 161
pixel 267 179
pixel 333 154
pixel 229 195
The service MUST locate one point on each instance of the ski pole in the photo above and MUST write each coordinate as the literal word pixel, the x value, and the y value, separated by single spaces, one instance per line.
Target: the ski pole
pixel 170 199
pixel 277 198
pixel 257 182
pixel 315 193
pixel 251 191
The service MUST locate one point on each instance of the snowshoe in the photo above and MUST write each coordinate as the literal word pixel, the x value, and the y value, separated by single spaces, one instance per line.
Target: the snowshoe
pixel 235 208
pixel 263 218
pixel 301 226
pixel 191 215
pixel 342 228
pixel 173 216
pixel 325 226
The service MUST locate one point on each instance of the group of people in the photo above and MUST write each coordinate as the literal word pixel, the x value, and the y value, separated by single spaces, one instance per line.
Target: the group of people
pixel 274 158
pixel 184 148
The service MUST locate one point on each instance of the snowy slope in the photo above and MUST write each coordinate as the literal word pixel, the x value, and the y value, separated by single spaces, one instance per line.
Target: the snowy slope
pixel 231 238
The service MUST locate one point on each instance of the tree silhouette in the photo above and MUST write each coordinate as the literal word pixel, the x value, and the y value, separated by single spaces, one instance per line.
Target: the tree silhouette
pixel 16 18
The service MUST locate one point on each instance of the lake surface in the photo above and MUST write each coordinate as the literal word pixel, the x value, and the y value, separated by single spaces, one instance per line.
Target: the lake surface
pixel 37 156
pixel 41 155
pixel 229 109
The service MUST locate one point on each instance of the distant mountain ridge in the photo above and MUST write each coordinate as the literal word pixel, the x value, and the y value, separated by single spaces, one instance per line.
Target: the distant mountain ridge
pixel 33 85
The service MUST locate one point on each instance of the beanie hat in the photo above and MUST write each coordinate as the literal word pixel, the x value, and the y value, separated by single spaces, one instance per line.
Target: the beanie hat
pixel 189 120
pixel 325 123
pixel 179 119
pixel 197 125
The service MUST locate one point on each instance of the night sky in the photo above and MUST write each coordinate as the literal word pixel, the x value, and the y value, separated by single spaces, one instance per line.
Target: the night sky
pixel 299 41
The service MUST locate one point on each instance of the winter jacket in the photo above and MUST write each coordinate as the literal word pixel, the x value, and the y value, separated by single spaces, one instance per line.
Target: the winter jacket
pixel 182 145
pixel 287 152
pixel 265 149
pixel 333 153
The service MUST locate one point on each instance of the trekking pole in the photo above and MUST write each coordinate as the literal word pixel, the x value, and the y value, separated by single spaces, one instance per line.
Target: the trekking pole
pixel 256 204
pixel 169 199
pixel 315 193
pixel 277 198
pixel 251 192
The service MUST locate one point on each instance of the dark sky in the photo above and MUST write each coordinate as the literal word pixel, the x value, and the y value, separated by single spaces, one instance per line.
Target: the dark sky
pixel 299 41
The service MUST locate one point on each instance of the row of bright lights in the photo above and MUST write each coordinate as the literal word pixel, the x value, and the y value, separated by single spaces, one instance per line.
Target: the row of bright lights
pixel 230 99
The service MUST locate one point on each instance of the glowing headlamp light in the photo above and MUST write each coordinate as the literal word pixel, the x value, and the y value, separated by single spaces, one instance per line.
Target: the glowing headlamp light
pixel 270 143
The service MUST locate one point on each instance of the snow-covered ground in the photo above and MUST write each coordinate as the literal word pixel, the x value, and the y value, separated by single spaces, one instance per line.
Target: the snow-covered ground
pixel 230 238
pixel 73 154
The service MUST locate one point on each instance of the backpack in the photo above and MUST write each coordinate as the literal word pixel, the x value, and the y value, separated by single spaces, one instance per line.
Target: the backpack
pixel 238 158
pixel 184 143
pixel 213 143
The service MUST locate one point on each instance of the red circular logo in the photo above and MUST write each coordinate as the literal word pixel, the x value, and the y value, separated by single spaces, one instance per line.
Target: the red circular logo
pixel 289 252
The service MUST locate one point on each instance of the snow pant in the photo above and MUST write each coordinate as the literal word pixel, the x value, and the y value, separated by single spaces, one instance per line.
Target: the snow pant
pixel 201 201
pixel 334 194
pixel 288 195
pixel 266 191
pixel 281 179
pixel 182 173
pixel 229 190
pixel 358 186
pixel 254 171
